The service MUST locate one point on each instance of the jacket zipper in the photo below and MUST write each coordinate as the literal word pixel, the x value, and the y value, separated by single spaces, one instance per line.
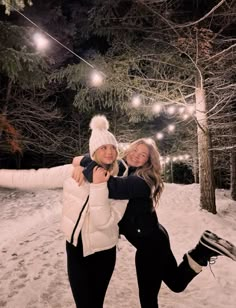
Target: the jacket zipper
pixel 77 222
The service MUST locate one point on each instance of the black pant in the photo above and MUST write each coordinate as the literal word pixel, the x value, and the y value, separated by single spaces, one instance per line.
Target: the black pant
pixel 155 263
pixel 89 276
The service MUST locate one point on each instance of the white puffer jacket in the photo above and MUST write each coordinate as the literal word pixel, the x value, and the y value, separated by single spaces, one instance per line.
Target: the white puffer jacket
pixel 86 208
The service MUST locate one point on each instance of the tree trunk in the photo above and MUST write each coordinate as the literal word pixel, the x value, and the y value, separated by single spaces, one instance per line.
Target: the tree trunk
pixel 195 171
pixel 164 171
pixel 195 167
pixel 171 171
pixel 233 175
pixel 206 178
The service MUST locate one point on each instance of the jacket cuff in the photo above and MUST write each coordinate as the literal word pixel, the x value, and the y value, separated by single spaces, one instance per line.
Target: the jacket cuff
pixel 98 186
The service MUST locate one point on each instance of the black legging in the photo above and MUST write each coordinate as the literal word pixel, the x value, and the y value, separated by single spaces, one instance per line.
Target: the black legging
pixel 155 263
pixel 89 276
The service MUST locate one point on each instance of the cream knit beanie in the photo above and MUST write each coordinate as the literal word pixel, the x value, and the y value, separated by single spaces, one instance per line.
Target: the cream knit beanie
pixel 100 134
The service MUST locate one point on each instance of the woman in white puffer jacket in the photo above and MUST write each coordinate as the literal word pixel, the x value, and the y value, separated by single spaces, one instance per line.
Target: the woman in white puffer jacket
pixel 89 219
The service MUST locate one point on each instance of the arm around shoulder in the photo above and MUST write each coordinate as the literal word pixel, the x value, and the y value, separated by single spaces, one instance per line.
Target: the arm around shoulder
pixel 128 187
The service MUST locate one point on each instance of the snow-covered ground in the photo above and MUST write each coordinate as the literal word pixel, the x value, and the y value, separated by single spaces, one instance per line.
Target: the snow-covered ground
pixel 33 259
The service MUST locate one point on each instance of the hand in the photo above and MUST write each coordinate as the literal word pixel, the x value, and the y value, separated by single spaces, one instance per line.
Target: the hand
pixel 77 175
pixel 76 160
pixel 100 175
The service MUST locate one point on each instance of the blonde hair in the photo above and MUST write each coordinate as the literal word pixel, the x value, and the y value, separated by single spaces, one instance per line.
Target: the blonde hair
pixel 151 170
pixel 112 168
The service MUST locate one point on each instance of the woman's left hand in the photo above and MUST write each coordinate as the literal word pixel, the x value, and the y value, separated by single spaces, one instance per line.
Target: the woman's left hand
pixel 100 175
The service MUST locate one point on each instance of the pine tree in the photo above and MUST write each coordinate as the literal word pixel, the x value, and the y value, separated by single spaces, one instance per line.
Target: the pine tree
pixel 167 55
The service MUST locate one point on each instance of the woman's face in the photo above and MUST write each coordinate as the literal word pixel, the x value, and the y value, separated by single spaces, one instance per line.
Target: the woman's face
pixel 106 154
pixel 138 156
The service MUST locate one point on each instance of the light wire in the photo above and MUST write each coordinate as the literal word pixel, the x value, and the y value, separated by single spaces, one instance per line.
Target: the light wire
pixel 53 38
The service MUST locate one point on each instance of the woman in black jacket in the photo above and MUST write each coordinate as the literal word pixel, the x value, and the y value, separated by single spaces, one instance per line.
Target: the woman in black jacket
pixel 154 258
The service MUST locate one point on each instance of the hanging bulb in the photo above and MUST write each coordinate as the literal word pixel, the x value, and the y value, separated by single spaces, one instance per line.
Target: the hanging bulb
pixel 156 108
pixel 40 40
pixel 171 110
pixel 159 136
pixel 96 78
pixel 136 101
pixel 171 128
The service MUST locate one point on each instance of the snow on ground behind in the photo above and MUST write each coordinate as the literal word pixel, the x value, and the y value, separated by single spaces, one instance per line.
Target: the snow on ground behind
pixel 33 259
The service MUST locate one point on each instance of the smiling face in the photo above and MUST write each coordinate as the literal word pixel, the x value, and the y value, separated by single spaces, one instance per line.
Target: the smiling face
pixel 138 155
pixel 106 154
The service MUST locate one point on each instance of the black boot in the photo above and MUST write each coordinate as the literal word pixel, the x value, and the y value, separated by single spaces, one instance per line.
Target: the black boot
pixel 211 245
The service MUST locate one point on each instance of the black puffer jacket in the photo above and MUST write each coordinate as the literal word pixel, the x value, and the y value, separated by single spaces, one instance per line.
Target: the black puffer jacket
pixel 140 217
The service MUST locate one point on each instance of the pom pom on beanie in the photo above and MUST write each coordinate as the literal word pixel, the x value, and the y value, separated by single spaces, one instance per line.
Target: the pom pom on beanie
pixel 100 135
pixel 99 122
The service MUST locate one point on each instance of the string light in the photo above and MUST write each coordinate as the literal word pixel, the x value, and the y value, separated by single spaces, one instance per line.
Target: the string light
pixel 171 110
pixel 40 41
pixel 163 159
pixel 53 38
pixel 169 159
pixel 96 78
pixel 191 109
pixel 185 116
pixel 171 128
pixel 181 110
pixel 156 108
pixel 136 101
pixel 159 136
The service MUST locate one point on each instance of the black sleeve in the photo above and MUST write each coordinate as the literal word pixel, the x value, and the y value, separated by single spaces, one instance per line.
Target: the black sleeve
pixel 128 187
pixel 89 164
pixel 88 171
pixel 122 188
pixel 86 160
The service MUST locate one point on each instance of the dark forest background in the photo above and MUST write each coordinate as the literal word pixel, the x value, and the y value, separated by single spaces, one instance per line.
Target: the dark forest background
pixel 153 48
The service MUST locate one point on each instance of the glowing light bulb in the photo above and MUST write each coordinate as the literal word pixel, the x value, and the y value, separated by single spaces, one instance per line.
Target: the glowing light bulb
pixel 159 136
pixel 171 128
pixel 156 108
pixel 40 41
pixel 171 110
pixel 185 116
pixel 167 159
pixel 136 101
pixel 181 110
pixel 96 79
pixel 191 109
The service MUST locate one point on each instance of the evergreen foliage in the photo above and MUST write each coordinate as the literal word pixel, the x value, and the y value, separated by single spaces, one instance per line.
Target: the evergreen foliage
pixel 151 48
pixel 11 4
pixel 18 61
